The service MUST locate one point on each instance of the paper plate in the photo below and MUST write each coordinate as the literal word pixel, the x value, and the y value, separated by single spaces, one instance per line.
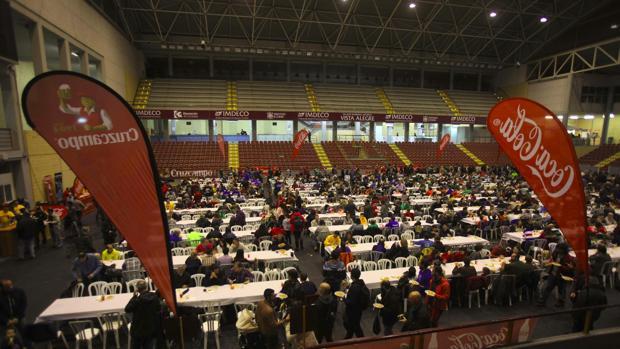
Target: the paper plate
pixel 430 293
pixel 414 283
pixel 282 295
pixel 339 294
pixel 378 306
pixel 566 278
pixel 555 264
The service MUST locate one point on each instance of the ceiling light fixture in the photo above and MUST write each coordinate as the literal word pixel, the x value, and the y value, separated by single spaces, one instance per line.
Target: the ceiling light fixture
pixel 611 116
pixel 543 19
pixel 74 54
pixel 493 14
pixel 588 117
pixel 560 117
pixel 412 5
pixel 574 117
pixel 548 117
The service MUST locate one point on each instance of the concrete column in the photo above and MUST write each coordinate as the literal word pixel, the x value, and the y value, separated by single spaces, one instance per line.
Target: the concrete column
pixel 451 85
pixel 295 127
pixel 358 130
pixel 166 129
pixel 406 127
pixel 391 76
pixel 371 133
pixel 288 70
pixel 323 130
pixel 334 130
pixel 254 131
pixel 211 131
pixel 422 78
pixel 439 131
pixel 84 63
pixel 251 69
pixel 609 108
pixel 38 50
pixel 170 66
pixel 479 81
pixel 471 132
pixel 211 71
pixel 65 55
pixel 358 74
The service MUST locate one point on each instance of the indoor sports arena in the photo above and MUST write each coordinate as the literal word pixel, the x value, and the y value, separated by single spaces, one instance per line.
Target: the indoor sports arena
pixel 283 174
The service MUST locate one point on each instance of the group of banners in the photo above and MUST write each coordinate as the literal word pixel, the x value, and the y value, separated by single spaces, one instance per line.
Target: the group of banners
pixel 102 140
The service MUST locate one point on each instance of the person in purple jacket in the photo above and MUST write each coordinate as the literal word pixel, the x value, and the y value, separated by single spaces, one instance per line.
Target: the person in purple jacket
pixel 424 276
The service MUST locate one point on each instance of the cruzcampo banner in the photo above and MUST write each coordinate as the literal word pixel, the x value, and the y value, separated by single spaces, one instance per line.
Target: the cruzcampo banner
pixel 443 143
pixel 298 141
pixel 540 148
pixel 97 134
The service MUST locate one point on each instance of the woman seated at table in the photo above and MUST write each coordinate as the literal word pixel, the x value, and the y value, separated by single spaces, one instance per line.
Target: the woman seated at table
pixel 344 253
pixel 357 228
pixel 279 243
pixel 380 246
pixel 425 275
pixel 373 229
pixel 192 264
pixel 277 230
pixel 348 239
pixel 215 276
pixel 398 249
pixel 240 258
pixel 239 274
pixel 332 240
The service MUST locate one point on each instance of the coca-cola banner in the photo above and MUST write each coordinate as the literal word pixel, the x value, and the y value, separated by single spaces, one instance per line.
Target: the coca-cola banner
pixel 308 116
pixel 298 141
pixel 539 146
pixel 96 133
pixel 443 143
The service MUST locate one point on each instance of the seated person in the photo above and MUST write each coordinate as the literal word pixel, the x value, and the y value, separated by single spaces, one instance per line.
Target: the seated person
pixel 380 246
pixel 344 253
pixel 175 236
pixel 208 259
pixel 425 242
pixel 373 229
pixel 348 239
pixel 279 243
pixel 111 254
pixel 225 258
pixel 235 245
pixel 214 277
pixel 357 228
pixel 476 254
pixel 194 237
pixel 86 268
pixel 277 230
pixel 438 245
pixel 398 249
pixel 192 264
pixel 214 235
pixel 239 274
pixel 240 257
pixel 465 270
pixel 332 240
pixel 204 246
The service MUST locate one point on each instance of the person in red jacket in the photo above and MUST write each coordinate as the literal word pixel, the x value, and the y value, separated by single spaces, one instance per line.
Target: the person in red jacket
pixel 438 302
pixel 298 224
pixel 277 230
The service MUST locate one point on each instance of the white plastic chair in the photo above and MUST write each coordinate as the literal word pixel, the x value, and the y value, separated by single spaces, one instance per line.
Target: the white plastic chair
pixel 111 322
pixel 370 265
pixel 84 331
pixel 239 306
pixel 178 251
pixel 251 247
pixel 412 261
pixel 285 271
pixel 207 230
pixel 78 290
pixel 210 324
pixel 132 284
pixel 97 288
pixel 484 253
pixel 186 217
pixel 384 264
pixel 353 265
pixel 198 277
pixel 114 288
pixel 265 245
pixel 223 228
pixel 393 237
pixel 400 262
pixel 377 237
pixel 235 228
pixel 406 235
pixel 273 274
pixel 258 276
pixel 367 239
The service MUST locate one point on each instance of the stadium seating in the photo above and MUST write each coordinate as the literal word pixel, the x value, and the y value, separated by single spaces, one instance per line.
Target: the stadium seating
pixel 271 96
pixel 348 98
pixel 599 154
pixel 187 156
pixel 277 154
pixel 473 102
pixel 190 94
pixel 425 154
pixel 416 100
pixel 488 152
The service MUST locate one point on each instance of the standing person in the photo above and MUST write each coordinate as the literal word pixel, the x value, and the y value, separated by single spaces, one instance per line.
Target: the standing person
pixel 13 304
pixel 145 309
pixel 327 306
pixel 334 271
pixel 392 302
pixel 40 217
pixel 417 317
pixel 358 299
pixel 53 222
pixel 86 268
pixel 587 296
pixel 267 321
pixel 439 301
pixel 560 264
pixel 298 224
pixel 27 229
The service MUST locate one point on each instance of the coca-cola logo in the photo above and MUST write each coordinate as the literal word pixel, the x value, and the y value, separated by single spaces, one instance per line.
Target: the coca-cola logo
pixel 300 139
pixel 524 137
pixel 471 340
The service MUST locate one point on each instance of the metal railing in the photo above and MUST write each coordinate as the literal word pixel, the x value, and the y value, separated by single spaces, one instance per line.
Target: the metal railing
pixel 6 139
pixel 511 330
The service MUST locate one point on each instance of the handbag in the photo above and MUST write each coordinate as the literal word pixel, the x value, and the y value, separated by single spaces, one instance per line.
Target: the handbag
pixel 376 325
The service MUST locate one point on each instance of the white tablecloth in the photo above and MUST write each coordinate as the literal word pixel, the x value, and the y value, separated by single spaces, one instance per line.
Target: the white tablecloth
pixel 470 240
pixel 519 236
pixel 192 222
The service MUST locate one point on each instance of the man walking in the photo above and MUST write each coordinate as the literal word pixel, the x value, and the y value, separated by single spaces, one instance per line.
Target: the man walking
pixel 358 299
pixel 145 309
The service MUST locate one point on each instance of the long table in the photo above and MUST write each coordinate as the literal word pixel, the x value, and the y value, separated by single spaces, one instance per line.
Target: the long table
pixel 192 222
pixel 264 256
pixel 373 279
pixel 89 307
pixel 450 241
pixel 347 227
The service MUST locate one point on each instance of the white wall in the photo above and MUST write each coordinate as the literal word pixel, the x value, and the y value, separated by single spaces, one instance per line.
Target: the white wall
pixel 554 94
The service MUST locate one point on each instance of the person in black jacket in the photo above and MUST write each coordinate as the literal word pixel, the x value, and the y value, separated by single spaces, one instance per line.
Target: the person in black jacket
pixel 587 296
pixel 327 306
pixel 354 305
pixel 418 316
pixel 146 317
pixel 27 229
pixel 13 304
pixel 392 305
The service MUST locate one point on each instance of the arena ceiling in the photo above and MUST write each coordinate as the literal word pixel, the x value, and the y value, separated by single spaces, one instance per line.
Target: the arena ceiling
pixel 463 31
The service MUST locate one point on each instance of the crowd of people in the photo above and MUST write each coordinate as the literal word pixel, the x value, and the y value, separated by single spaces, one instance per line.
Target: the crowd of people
pixel 421 207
